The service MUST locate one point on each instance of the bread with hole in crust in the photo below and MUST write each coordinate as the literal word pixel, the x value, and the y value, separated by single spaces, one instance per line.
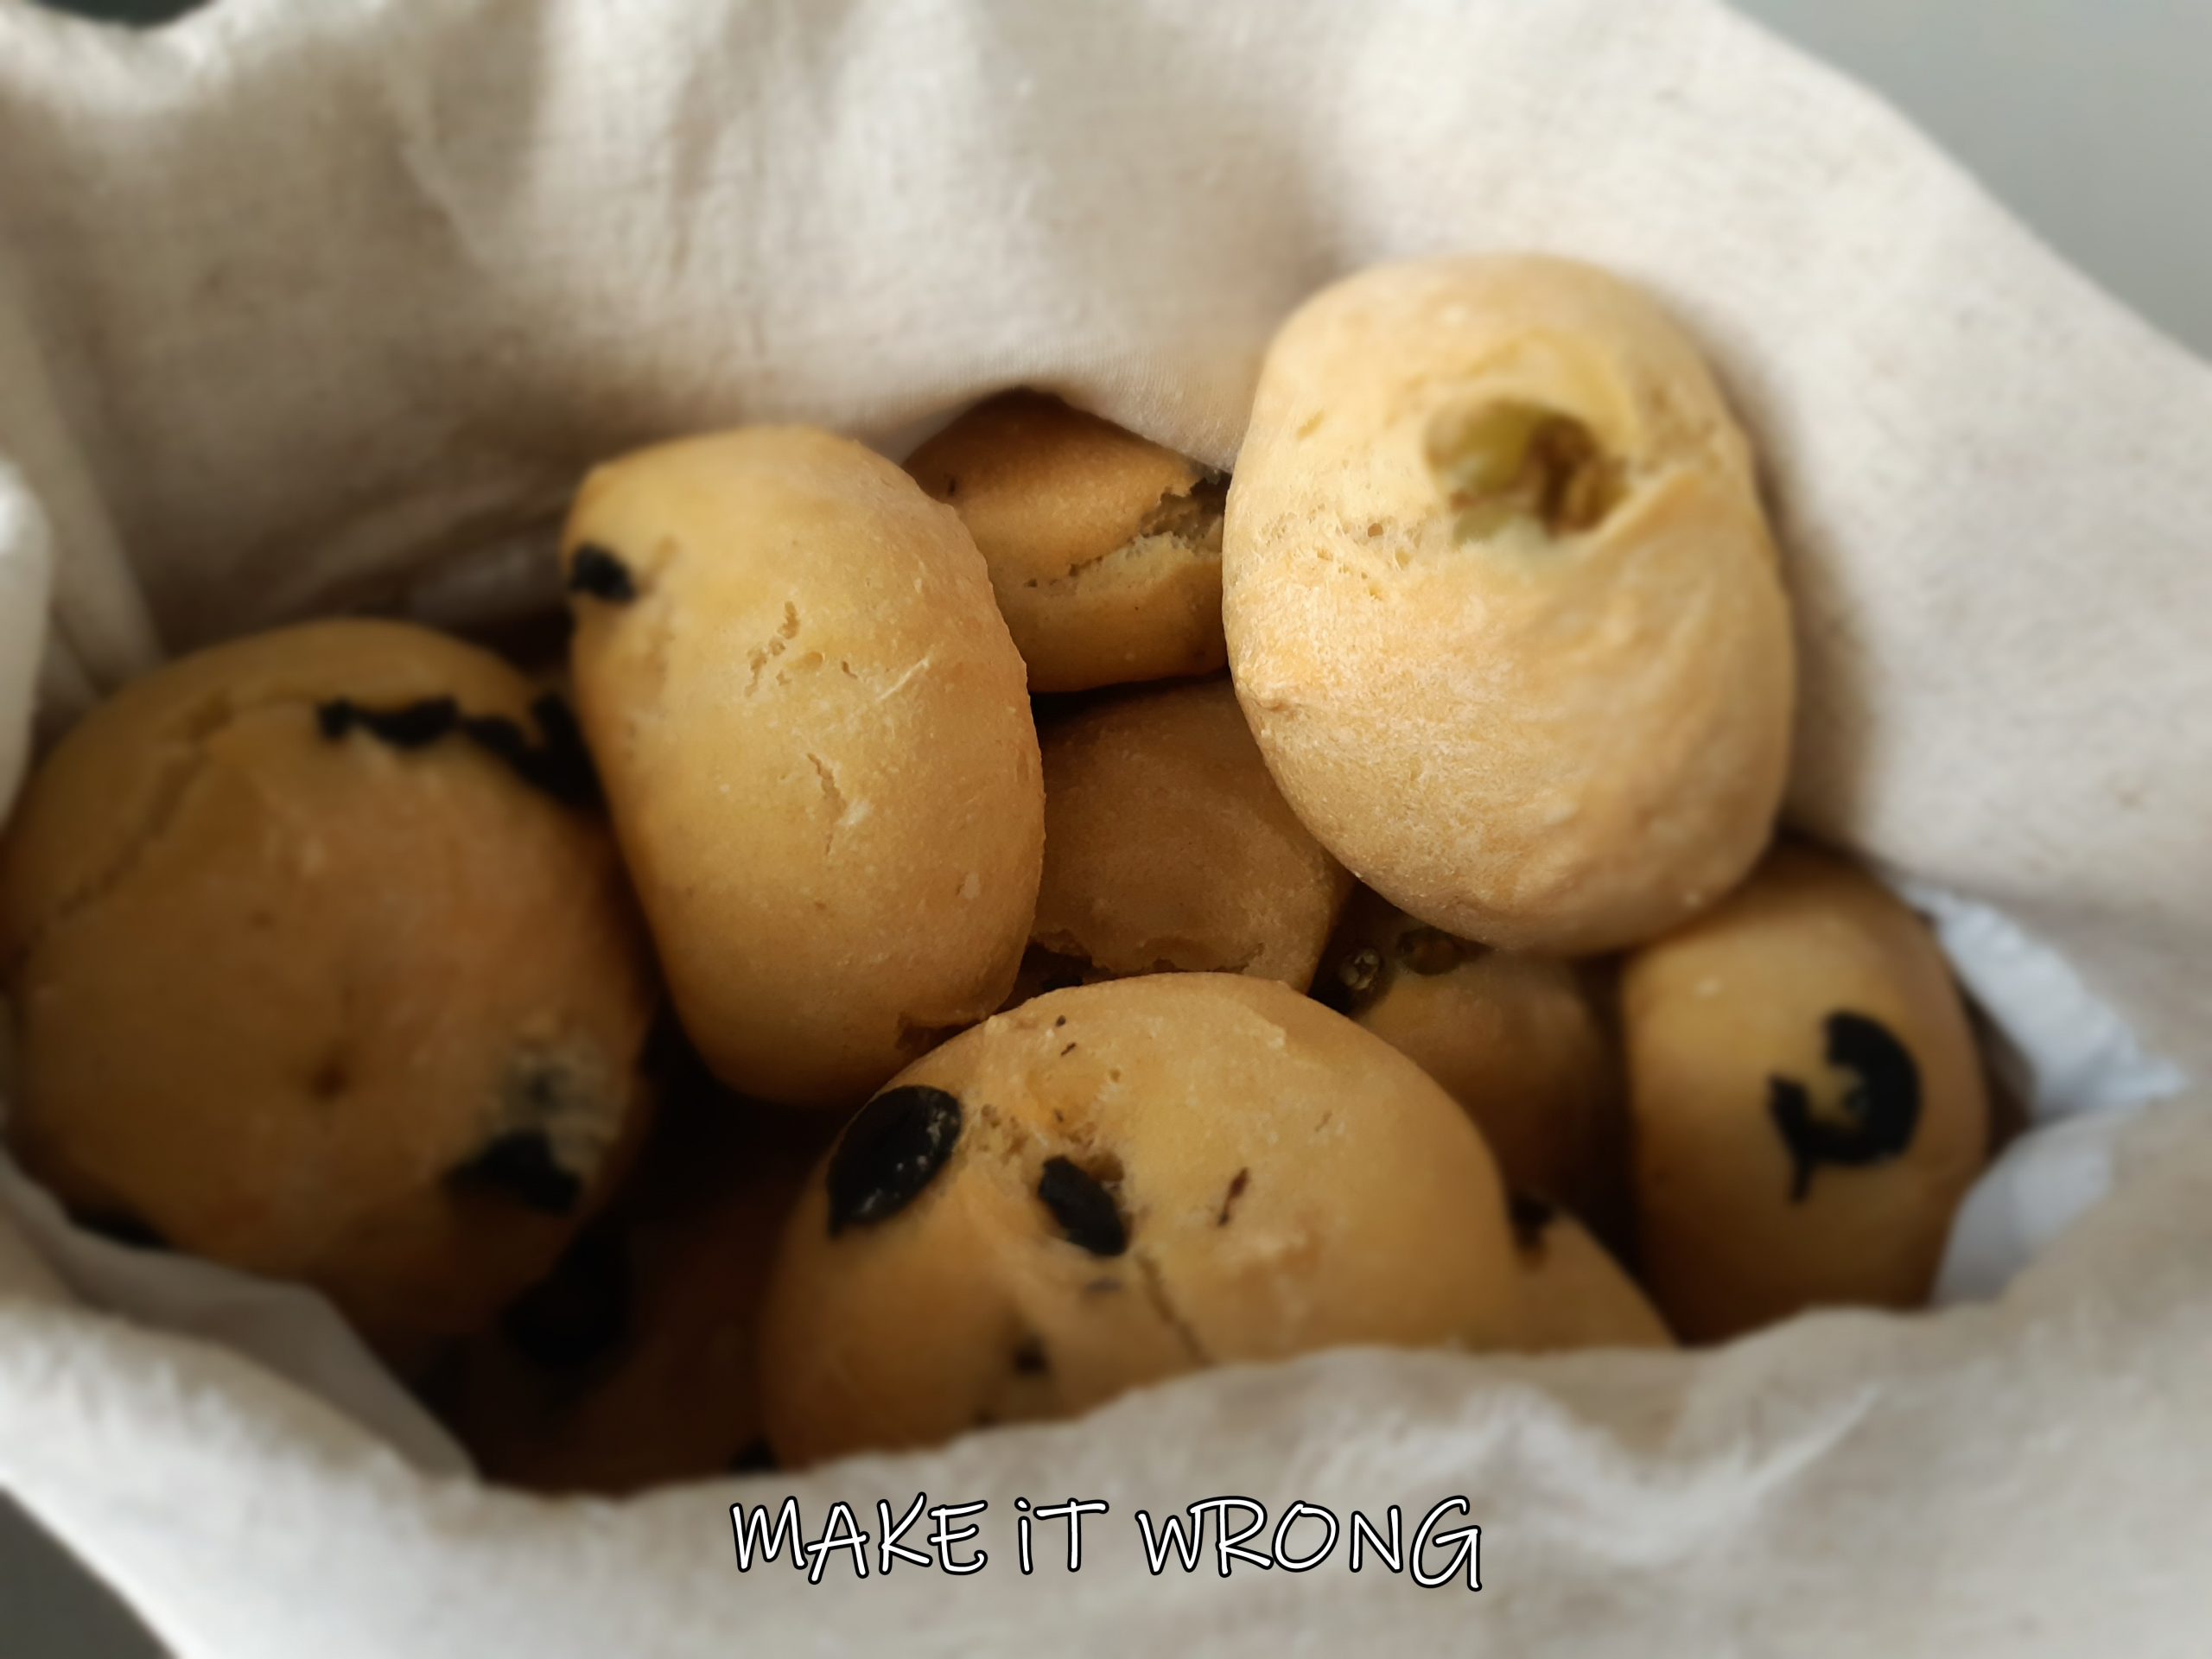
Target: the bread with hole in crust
pixel 1502 605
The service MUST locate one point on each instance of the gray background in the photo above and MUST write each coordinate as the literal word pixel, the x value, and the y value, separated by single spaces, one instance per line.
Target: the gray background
pixel 2092 117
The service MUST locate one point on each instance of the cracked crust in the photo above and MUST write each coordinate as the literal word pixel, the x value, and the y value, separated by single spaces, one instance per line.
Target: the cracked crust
pixel 814 736
pixel 1104 550
pixel 1167 848
pixel 273 986
pixel 1285 1182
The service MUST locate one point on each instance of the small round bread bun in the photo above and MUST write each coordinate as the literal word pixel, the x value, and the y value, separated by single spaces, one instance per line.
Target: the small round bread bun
pixel 1574 1294
pixel 1167 848
pixel 1115 1184
pixel 1502 605
pixel 1516 1039
pixel 1808 1105
pixel 818 746
pixel 1104 550
pixel 323 966
pixel 633 1364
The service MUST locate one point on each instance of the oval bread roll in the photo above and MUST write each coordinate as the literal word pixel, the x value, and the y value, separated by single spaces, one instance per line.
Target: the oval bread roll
pixel 818 750
pixel 1502 607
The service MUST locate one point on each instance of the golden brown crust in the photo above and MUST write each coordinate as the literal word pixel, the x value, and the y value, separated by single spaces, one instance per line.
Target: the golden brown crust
pixel 817 748
pixel 1517 1039
pixel 279 982
pixel 1284 1182
pixel 1167 848
pixel 1104 548
pixel 1502 604
pixel 1797 997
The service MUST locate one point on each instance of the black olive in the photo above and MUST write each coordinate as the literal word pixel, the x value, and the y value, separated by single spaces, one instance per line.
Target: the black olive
pixel 1084 1209
pixel 411 726
pixel 891 1149
pixel 520 1165
pixel 1882 1106
pixel 558 765
pixel 595 571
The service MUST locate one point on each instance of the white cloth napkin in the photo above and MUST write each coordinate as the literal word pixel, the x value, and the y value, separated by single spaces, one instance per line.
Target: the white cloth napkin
pixel 304 307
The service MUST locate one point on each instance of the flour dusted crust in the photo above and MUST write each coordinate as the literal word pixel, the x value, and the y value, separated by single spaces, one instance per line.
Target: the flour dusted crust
pixel 816 741
pixel 1517 1039
pixel 1502 604
pixel 1807 1106
pixel 322 965
pixel 1574 1294
pixel 1114 1184
pixel 1167 847
pixel 1104 548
